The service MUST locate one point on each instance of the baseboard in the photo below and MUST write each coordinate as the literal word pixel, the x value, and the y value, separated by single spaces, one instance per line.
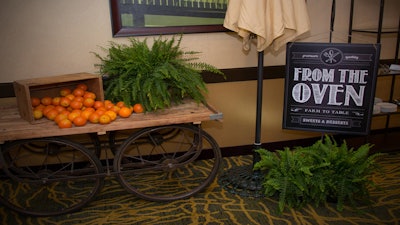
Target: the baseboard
pixel 386 141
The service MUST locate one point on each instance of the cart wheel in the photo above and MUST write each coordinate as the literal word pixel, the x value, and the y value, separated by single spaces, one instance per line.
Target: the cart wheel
pixel 159 167
pixel 48 176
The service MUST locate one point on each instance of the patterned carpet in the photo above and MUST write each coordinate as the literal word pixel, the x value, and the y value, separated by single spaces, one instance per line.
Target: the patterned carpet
pixel 217 206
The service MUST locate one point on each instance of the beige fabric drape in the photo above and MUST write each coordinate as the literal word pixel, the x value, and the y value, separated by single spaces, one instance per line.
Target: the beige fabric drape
pixel 274 22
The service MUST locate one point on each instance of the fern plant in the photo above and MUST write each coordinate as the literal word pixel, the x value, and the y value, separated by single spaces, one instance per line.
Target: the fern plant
pixel 346 173
pixel 287 176
pixel 318 173
pixel 154 76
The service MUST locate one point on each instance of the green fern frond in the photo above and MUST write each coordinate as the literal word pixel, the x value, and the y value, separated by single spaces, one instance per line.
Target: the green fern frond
pixel 268 160
pixel 324 170
pixel 155 76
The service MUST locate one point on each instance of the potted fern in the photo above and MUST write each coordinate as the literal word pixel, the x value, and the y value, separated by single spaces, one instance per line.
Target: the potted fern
pixel 319 173
pixel 154 76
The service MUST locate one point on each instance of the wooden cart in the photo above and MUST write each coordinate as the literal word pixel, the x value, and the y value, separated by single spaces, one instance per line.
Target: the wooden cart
pixel 47 171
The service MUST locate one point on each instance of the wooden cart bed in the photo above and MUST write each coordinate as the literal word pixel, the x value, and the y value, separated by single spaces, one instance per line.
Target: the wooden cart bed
pixel 12 127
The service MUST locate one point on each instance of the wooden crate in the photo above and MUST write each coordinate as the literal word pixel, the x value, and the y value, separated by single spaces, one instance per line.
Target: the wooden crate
pixel 51 86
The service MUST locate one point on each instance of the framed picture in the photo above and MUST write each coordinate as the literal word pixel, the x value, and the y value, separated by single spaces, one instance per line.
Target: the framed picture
pixel 156 17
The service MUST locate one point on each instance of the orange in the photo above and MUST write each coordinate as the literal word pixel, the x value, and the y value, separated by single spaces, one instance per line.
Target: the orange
pixel 77 92
pixel 51 114
pixel 60 108
pixel 94 118
pixel 37 114
pixel 101 108
pixel 40 107
pixel 35 101
pixel 60 117
pixel 124 112
pixel 73 115
pixel 66 112
pixel 111 114
pixel 104 119
pixel 64 101
pixel 56 101
pixel 82 86
pixel 108 104
pixel 97 104
pixel 65 123
pixel 79 121
pixel 79 99
pixel 89 94
pixel 115 109
pixel 46 100
pixel 101 111
pixel 86 113
pixel 65 91
pixel 138 108
pixel 88 102
pixel 47 108
pixel 76 104
pixel 120 104
pixel 90 109
pixel 77 111
pixel 70 96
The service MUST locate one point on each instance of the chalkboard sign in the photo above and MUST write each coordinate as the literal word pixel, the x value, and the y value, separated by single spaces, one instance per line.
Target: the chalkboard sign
pixel 330 87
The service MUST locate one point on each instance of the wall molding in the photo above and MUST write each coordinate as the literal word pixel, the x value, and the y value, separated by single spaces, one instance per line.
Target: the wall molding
pixel 231 75
pixel 6 90
pixel 383 141
pixel 245 74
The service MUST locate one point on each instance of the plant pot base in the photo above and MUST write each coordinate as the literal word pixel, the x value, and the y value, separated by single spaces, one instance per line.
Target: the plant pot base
pixel 243 181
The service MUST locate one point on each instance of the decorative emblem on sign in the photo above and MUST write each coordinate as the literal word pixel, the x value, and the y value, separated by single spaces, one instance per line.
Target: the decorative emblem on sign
pixel 331 56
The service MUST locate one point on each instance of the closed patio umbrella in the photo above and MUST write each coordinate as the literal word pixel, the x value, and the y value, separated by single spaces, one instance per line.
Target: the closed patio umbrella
pixel 273 23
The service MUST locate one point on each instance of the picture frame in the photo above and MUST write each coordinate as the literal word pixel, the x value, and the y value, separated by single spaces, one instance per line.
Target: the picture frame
pixel 158 17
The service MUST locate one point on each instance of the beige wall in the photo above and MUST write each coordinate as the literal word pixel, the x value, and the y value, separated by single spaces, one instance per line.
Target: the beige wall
pixel 51 37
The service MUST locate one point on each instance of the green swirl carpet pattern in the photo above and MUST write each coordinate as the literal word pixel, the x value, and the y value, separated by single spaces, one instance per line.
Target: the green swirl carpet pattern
pixel 217 206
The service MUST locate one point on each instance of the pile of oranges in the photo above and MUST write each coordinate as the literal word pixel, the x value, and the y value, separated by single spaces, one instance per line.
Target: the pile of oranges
pixel 78 106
